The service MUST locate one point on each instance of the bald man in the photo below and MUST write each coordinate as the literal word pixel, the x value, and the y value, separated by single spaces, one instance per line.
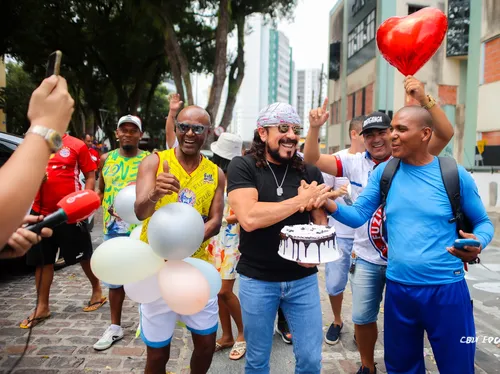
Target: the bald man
pixel 426 289
pixel 181 174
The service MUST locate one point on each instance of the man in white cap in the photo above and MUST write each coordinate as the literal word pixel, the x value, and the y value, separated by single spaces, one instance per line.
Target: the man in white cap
pixel 118 169
pixel 271 187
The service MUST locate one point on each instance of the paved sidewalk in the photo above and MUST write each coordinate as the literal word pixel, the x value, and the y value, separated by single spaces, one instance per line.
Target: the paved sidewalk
pixel 63 344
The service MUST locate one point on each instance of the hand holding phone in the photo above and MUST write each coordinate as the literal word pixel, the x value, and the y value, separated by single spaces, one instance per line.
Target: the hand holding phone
pixel 462 243
pixel 51 105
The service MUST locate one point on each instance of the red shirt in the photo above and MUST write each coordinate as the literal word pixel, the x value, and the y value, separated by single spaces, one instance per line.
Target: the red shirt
pixel 94 155
pixel 63 174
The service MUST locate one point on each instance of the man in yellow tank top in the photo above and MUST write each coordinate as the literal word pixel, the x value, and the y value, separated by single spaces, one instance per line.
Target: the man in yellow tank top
pixel 182 175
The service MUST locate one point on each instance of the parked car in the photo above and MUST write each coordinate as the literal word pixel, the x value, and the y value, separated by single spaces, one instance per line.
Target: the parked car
pixel 8 144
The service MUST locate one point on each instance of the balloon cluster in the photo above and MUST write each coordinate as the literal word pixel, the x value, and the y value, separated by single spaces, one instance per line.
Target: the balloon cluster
pixel 175 232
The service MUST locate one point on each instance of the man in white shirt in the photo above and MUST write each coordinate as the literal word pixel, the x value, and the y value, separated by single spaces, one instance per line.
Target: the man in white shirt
pixel 337 272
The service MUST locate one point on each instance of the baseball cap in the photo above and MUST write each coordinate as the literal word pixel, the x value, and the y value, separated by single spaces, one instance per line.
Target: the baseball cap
pixel 130 119
pixel 376 120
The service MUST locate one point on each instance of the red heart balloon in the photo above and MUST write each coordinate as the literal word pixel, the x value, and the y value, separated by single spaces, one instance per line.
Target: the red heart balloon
pixel 407 43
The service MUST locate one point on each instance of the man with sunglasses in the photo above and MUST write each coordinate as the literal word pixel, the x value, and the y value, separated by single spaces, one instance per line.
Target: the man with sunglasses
pixel 369 251
pixel 268 188
pixel 183 175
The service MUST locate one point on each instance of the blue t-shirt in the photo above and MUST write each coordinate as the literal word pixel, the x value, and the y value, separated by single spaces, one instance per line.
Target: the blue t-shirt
pixel 417 219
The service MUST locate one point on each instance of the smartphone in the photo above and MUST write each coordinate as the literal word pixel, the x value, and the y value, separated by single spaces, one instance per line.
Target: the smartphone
pixel 461 243
pixel 54 64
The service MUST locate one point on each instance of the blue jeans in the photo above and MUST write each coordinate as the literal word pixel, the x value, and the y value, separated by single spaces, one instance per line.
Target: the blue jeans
pixel 367 285
pixel 300 303
pixel 337 272
pixel 107 237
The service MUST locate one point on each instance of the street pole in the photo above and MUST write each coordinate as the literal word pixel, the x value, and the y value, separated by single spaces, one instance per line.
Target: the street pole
pixel 320 87
pixel 343 79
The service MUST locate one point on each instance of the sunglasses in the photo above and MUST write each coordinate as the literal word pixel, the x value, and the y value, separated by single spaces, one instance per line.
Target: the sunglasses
pixel 197 129
pixel 283 128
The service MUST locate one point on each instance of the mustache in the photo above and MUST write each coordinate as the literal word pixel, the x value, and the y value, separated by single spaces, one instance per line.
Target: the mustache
pixel 289 141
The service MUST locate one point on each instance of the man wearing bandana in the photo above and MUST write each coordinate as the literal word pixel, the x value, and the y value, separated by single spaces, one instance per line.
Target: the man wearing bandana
pixel 268 188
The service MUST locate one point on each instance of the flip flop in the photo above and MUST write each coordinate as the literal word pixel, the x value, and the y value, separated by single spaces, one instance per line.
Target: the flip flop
pixel 220 347
pixel 238 351
pixel 93 307
pixel 33 322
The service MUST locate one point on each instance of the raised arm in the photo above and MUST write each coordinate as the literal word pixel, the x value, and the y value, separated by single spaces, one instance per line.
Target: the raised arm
pixel 175 105
pixel 213 224
pixel 443 129
pixel 50 106
pixel 312 155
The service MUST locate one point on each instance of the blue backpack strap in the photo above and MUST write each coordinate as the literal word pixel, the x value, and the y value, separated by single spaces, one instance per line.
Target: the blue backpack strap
pixel 386 180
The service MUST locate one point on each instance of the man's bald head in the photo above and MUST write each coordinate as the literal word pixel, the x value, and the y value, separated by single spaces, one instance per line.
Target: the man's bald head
pixel 194 114
pixel 417 114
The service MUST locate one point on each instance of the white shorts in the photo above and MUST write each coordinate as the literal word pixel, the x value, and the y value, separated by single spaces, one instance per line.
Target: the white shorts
pixel 158 322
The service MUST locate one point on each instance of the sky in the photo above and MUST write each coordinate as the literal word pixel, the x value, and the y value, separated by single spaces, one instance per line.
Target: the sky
pixel 308 33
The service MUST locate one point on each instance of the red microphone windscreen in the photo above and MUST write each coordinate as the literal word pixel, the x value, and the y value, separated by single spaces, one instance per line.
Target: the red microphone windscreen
pixel 80 205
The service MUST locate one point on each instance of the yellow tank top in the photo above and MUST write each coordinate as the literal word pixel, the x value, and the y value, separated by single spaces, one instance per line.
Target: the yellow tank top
pixel 197 189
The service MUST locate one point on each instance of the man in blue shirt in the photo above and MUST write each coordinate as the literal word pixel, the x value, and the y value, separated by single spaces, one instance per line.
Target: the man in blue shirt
pixel 426 289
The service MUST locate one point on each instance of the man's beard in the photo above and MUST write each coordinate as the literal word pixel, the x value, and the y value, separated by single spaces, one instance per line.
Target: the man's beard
pixel 275 153
pixel 129 147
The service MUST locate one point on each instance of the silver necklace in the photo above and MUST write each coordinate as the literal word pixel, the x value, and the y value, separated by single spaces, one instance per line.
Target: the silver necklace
pixel 279 189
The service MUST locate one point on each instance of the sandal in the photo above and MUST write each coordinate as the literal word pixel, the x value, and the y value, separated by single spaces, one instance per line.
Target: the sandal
pixel 92 307
pixel 220 347
pixel 238 351
pixel 32 322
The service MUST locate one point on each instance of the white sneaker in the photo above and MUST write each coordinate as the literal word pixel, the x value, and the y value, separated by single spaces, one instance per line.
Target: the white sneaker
pixel 112 334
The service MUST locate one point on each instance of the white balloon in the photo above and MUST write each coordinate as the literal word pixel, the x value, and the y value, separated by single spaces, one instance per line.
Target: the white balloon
pixel 124 205
pixel 123 260
pixel 136 233
pixel 176 231
pixel 144 291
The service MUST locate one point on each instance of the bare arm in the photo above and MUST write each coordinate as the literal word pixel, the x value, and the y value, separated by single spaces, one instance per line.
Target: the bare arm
pixel 50 106
pixel 253 215
pixel 213 224
pixel 90 180
pixel 145 183
pixel 175 106
pixel 443 129
pixel 102 186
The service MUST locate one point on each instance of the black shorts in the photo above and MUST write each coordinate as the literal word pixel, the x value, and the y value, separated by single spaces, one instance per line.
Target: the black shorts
pixel 73 240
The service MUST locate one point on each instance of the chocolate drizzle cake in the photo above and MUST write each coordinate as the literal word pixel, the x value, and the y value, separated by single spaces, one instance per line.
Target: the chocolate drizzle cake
pixel 308 244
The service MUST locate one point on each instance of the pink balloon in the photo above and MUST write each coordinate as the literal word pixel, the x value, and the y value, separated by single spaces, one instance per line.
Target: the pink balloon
pixel 183 287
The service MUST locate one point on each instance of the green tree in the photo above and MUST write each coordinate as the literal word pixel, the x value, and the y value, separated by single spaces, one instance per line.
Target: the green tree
pixel 16 95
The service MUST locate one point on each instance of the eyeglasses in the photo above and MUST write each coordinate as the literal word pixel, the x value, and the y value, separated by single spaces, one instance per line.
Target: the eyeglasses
pixel 283 128
pixel 197 129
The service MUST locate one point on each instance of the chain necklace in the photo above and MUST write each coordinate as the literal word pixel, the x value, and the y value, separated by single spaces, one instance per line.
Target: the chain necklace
pixel 279 189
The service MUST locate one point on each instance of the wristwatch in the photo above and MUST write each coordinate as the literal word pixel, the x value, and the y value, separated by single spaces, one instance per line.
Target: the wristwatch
pixel 52 137
pixel 224 222
pixel 430 104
